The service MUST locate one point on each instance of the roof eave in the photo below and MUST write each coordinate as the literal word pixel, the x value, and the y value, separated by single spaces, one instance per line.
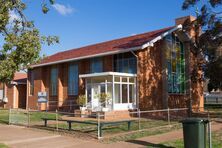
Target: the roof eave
pixel 89 56
pixel 151 43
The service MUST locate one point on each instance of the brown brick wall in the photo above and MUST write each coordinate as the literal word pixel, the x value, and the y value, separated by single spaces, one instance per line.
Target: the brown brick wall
pixel 150 78
pixel 42 83
pixel 153 83
pixel 38 84
pixel 178 101
pixel 108 63
pixel 16 95
pixel 10 95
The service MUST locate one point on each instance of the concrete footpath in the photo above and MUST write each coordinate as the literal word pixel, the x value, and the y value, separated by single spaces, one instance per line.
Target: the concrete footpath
pixel 20 137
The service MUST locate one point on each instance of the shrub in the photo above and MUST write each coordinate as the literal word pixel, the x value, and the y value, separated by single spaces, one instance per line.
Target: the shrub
pixel 81 100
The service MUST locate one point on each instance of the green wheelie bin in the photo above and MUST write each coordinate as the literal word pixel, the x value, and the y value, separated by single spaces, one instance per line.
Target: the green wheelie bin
pixel 194 132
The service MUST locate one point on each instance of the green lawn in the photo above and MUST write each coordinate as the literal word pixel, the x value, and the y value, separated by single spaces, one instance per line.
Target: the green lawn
pixel 4 116
pixel 216 141
pixel 21 117
pixel 3 146
pixel 148 127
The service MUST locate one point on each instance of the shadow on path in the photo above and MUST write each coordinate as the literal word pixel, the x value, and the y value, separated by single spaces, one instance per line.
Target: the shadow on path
pixel 147 144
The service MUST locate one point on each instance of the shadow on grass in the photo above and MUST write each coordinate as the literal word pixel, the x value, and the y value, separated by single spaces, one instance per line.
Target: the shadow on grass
pixel 148 144
pixel 3 122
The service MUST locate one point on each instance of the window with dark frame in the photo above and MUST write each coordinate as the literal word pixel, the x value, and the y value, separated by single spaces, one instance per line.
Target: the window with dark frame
pixel 73 79
pixel 31 80
pixel 175 64
pixel 125 62
pixel 96 65
pixel 54 82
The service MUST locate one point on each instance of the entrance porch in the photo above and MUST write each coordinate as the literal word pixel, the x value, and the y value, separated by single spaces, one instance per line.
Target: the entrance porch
pixel 119 89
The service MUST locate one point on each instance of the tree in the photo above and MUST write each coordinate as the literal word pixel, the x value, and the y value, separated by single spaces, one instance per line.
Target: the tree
pixel 208 41
pixel 22 40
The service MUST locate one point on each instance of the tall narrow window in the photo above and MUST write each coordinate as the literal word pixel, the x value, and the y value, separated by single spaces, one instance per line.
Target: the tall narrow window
pixel 54 77
pixel 73 80
pixel 96 65
pixel 31 80
pixel 175 64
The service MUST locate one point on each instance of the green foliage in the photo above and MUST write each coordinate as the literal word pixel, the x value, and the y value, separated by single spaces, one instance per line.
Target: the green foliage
pixel 206 43
pixel 81 100
pixel 22 40
pixel 214 73
pixel 103 97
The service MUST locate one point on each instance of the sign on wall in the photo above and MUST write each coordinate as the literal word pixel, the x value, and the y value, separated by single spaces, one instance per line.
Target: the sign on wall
pixel 42 97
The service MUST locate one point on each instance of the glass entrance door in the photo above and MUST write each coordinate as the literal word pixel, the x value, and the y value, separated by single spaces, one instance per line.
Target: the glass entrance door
pixel 95 91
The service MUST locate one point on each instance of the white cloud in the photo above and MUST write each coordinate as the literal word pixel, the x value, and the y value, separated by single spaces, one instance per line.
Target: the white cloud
pixel 133 34
pixel 62 9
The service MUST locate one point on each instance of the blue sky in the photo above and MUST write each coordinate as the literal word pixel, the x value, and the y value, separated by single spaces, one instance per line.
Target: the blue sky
pixel 83 22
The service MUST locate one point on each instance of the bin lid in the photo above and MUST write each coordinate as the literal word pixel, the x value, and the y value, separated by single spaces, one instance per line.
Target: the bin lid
pixel 194 120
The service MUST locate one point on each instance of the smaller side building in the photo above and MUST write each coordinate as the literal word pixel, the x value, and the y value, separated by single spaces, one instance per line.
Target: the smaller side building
pixel 13 94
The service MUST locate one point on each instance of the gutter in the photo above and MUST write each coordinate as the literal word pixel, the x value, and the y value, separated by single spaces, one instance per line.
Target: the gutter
pixel 150 43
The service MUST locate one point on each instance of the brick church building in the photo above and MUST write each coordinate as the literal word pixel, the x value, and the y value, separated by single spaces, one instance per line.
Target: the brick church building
pixel 145 71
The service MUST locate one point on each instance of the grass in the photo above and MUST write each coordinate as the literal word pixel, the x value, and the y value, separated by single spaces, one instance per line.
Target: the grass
pixel 3 146
pixel 21 117
pixel 148 128
pixel 118 132
pixel 4 116
pixel 216 141
pixel 139 134
pixel 114 133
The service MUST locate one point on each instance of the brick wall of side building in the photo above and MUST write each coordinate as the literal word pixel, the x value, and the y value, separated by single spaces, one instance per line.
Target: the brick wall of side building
pixel 10 94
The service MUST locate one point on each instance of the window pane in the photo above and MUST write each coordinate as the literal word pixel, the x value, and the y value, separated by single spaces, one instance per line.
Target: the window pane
pixel 31 89
pixel 54 76
pixel 124 79
pixel 131 80
pixel 131 93
pixel 125 62
pixel 117 93
pixel 89 95
pixel 102 88
pixel 73 82
pixel 110 90
pixel 96 65
pixel 175 64
pixel 124 93
pixel 117 79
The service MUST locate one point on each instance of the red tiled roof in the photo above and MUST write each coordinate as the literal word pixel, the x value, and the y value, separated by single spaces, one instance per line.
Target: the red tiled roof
pixel 20 77
pixel 109 46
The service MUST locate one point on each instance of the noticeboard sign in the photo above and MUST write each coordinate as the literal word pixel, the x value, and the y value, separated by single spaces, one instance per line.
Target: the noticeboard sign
pixel 42 97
